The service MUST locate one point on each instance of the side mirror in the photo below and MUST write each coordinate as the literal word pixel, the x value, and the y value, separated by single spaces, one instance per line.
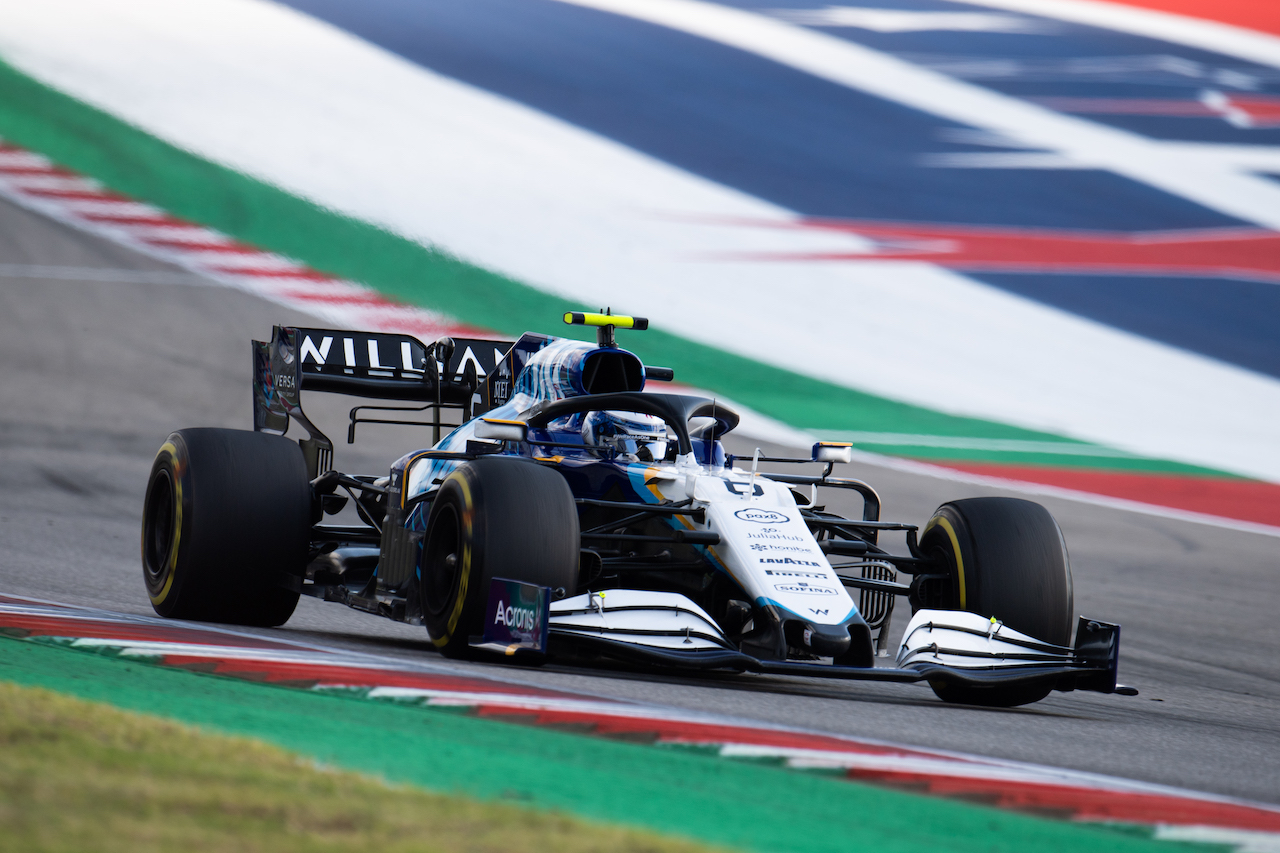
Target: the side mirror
pixel 833 451
pixel 496 429
pixel 444 354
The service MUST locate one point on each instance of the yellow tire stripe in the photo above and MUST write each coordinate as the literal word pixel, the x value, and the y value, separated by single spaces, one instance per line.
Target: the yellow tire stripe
pixel 468 519
pixel 172 450
pixel 955 549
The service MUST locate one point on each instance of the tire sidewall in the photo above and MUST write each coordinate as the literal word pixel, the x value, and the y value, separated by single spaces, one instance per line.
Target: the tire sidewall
pixel 947 533
pixel 164 582
pixel 447 621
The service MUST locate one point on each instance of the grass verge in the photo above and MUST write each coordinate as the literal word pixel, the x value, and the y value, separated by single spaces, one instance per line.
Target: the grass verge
pixel 673 792
pixel 77 775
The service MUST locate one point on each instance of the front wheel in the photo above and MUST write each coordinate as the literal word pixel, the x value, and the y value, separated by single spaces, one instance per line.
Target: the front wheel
pixel 226 527
pixel 493 517
pixel 1007 559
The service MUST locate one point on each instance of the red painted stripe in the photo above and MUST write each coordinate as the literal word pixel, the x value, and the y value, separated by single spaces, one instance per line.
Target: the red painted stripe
pixel 1261 15
pixel 201 245
pixel 370 299
pixel 1083 803
pixel 77 195
pixel 354 676
pixel 249 272
pixel 50 171
pixel 1250 252
pixel 53 626
pixel 1245 500
pixel 159 218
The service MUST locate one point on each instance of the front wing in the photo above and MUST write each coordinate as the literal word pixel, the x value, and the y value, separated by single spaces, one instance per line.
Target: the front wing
pixel 952 647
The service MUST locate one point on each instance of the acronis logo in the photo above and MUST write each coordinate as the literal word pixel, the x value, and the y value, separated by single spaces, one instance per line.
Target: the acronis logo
pixel 515 617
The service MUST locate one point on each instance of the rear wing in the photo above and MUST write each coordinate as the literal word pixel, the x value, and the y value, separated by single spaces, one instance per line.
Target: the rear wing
pixel 449 374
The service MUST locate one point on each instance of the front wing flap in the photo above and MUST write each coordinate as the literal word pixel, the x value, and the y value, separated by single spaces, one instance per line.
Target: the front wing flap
pixel 953 647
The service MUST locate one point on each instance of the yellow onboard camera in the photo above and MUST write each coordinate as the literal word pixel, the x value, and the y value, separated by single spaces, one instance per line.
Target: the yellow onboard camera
pixel 605 322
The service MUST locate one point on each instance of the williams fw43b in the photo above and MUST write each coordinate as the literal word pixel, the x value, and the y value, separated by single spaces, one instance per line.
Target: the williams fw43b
pixel 572 513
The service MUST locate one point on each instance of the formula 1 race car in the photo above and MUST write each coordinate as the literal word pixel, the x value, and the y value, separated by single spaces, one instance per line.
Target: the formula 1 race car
pixel 571 513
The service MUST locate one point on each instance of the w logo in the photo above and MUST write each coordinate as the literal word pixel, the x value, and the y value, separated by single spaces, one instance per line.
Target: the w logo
pixel 817 612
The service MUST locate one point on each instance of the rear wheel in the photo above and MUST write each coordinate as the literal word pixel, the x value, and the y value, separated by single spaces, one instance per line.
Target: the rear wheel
pixel 1007 560
pixel 493 517
pixel 226 527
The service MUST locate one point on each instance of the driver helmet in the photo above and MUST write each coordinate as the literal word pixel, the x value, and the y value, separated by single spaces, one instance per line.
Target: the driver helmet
pixel 641 438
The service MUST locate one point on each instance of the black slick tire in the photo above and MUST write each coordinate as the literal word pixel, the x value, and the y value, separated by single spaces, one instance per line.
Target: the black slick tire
pixel 493 517
pixel 226 527
pixel 1007 560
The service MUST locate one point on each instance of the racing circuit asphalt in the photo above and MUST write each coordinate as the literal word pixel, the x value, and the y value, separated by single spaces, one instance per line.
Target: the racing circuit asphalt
pixel 103 352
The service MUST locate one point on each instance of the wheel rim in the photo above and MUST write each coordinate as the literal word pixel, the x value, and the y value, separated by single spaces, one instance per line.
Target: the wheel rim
pixel 158 532
pixel 444 543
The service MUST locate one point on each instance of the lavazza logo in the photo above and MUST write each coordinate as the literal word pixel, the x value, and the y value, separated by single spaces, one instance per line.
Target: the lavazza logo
pixel 763 516
pixel 789 561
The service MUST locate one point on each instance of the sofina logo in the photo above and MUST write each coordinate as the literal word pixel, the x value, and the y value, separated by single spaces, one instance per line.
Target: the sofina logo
pixel 763 516
pixel 804 588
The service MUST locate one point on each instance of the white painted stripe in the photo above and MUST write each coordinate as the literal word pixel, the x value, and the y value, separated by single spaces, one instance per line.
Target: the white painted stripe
pixel 927 766
pixel 1001 160
pixel 307 288
pixel 10 160
pixel 231 261
pixel 174 233
pixel 511 700
pixel 320 114
pixel 51 182
pixel 1252 45
pixel 1241 840
pixel 107 208
pixel 160 648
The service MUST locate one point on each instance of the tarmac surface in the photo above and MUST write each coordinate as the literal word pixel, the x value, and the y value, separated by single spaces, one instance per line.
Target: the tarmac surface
pixel 104 352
